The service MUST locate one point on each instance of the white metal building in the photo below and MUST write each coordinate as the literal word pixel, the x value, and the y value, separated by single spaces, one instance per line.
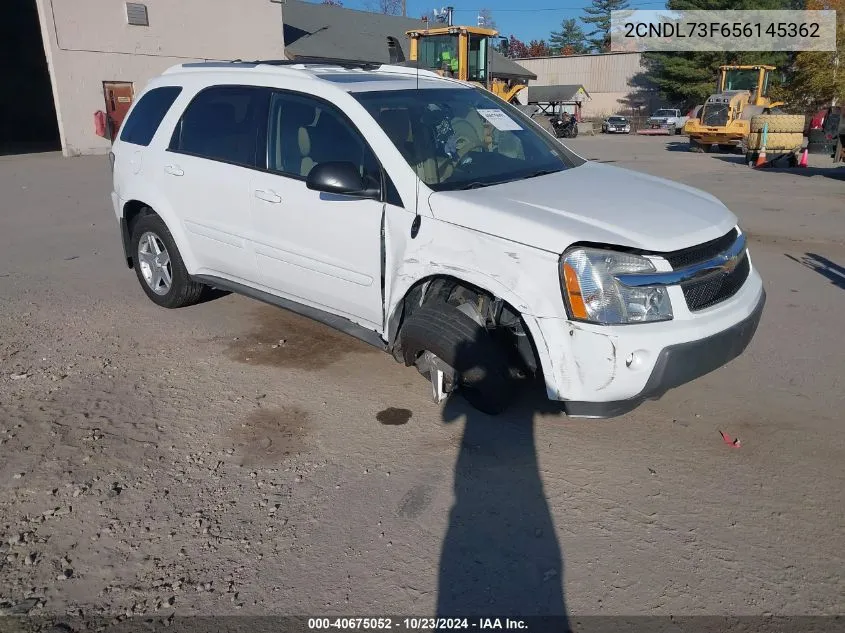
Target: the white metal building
pixel 611 79
pixel 100 53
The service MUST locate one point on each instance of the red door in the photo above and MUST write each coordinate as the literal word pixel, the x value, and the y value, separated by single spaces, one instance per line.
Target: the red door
pixel 119 95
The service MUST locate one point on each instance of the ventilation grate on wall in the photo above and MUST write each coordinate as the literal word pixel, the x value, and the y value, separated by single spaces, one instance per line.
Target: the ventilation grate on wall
pixel 136 14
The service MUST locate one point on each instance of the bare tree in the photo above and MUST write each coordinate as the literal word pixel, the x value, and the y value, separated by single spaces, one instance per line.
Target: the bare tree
pixel 388 7
pixel 485 19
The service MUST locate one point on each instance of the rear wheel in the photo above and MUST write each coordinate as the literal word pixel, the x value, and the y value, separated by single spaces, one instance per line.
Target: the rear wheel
pixel 698 146
pixel 478 364
pixel 159 266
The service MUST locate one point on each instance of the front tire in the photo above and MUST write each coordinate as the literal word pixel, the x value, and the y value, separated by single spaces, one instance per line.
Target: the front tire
pixel 159 266
pixel 479 362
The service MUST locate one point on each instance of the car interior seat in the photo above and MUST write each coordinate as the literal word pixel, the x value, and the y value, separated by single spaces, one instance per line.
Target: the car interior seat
pixel 418 151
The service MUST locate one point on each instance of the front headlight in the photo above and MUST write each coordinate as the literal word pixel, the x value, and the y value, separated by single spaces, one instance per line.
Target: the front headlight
pixel 593 294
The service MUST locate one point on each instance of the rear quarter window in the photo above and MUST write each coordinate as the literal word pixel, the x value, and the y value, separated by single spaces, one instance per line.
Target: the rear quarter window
pixel 148 114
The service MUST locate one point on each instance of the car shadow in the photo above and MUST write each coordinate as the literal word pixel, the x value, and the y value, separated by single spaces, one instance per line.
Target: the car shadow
pixel 837 173
pixel 722 152
pixel 678 146
pixel 822 265
pixel 212 294
pixel 501 554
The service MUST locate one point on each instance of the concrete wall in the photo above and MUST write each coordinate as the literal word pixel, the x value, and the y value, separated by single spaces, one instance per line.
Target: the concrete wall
pixel 88 42
pixel 607 78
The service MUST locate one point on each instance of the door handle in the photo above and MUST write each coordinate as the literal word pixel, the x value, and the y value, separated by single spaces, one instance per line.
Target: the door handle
pixel 268 196
pixel 174 170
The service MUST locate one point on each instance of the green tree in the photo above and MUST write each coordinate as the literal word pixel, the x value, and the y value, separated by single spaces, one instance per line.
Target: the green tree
pixel 817 78
pixel 570 39
pixel 688 78
pixel 598 15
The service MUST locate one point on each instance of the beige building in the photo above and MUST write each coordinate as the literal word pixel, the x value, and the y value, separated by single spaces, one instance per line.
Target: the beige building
pixel 612 80
pixel 100 53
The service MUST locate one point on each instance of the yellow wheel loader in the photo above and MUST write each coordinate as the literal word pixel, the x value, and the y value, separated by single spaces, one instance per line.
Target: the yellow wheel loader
pixel 462 52
pixel 743 94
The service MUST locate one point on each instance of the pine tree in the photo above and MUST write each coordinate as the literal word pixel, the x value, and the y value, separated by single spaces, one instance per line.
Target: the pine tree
pixel 570 38
pixel 598 15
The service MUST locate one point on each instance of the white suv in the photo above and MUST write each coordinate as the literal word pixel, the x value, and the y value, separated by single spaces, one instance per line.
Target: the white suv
pixel 433 220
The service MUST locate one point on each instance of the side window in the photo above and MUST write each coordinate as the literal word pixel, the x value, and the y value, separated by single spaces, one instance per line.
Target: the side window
pixel 222 123
pixel 304 132
pixel 142 124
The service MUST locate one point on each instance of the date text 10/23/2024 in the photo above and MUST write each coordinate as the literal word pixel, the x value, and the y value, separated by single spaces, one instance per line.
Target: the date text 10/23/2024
pixel 418 624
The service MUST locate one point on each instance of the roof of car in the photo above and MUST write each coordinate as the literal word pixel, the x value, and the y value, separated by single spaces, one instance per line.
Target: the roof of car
pixel 346 75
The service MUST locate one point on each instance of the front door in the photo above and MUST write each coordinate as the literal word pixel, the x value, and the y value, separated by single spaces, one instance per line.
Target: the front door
pixel 319 249
pixel 119 96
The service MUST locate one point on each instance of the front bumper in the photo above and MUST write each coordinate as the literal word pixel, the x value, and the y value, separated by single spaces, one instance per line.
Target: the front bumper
pixel 732 133
pixel 679 364
pixel 605 371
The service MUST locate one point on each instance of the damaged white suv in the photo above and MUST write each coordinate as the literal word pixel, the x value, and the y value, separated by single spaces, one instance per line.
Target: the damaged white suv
pixel 431 219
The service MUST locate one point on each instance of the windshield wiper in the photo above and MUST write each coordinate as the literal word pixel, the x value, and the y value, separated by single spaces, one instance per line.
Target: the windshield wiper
pixel 474 185
pixel 543 172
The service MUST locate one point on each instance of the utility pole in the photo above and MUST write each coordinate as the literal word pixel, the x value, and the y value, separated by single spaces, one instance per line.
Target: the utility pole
pixel 404 8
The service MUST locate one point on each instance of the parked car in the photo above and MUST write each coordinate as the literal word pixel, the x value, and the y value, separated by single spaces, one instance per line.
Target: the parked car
pixel 616 125
pixel 668 118
pixel 428 218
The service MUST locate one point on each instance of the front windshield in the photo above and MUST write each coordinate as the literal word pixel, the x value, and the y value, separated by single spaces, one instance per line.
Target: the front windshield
pixel 664 113
pixel 741 80
pixel 617 119
pixel 462 138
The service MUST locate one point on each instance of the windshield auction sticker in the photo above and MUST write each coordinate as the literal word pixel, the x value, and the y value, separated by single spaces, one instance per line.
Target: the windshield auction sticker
pixel 667 30
pixel 499 120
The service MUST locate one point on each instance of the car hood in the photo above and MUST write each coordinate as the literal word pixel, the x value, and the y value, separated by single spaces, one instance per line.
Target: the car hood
pixel 589 203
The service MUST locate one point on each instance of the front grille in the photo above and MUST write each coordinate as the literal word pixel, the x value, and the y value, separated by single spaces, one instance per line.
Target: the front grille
pixel 701 252
pixel 714 115
pixel 708 292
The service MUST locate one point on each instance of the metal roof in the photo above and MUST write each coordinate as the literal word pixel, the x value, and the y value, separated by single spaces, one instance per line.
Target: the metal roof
pixel 318 30
pixel 556 94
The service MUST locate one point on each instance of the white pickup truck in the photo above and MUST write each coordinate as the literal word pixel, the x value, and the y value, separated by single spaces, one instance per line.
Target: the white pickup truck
pixel 667 118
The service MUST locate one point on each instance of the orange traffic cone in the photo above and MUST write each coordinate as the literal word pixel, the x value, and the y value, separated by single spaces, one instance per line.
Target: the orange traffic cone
pixel 761 157
pixel 803 162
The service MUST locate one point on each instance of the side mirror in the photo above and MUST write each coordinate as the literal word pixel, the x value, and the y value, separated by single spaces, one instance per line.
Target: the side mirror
pixel 341 178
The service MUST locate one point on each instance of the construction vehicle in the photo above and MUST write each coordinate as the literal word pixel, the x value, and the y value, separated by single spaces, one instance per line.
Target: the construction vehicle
pixel 462 52
pixel 725 118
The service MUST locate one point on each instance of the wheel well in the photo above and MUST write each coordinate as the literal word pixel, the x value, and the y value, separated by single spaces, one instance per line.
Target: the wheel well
pixel 491 312
pixel 133 211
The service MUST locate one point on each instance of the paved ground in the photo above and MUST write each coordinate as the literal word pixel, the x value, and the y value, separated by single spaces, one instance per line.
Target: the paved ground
pixel 232 458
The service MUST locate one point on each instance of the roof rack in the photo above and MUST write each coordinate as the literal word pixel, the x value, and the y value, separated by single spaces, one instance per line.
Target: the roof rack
pixel 302 61
pixel 323 61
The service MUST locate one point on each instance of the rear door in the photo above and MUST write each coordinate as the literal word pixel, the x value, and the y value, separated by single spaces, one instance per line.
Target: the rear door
pixel 319 249
pixel 206 171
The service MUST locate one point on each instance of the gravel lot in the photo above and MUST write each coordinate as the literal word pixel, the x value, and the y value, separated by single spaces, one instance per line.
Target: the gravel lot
pixel 231 458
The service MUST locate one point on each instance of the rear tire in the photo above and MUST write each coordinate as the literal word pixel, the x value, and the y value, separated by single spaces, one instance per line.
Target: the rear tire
pixel 480 363
pixel 170 285
pixel 698 146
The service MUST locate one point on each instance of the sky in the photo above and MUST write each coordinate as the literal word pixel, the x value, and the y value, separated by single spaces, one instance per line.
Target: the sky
pixel 534 19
